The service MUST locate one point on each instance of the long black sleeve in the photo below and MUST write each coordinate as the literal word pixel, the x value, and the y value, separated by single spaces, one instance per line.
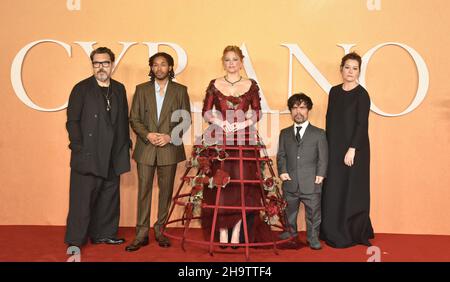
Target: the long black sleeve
pixel 362 121
pixel 74 110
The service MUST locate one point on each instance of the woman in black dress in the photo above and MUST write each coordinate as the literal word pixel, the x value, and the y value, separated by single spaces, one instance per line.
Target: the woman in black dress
pixel 346 191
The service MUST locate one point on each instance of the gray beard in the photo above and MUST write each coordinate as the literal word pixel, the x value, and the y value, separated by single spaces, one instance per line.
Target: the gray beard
pixel 102 77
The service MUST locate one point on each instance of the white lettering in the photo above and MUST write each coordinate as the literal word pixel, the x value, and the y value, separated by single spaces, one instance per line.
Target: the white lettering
pixel 16 74
pixel 422 72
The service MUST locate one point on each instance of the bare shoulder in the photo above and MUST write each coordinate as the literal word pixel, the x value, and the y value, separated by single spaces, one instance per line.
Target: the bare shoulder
pixel 245 85
pixel 246 81
pixel 219 80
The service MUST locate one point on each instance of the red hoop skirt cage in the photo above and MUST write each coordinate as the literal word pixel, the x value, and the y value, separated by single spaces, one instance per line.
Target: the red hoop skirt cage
pixel 234 180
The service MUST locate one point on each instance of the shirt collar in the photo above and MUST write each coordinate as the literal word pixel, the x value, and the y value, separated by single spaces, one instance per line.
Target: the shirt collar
pixel 303 125
pixel 158 88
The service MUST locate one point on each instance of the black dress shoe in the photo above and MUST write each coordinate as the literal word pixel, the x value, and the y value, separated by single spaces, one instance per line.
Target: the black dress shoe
pixel 223 247
pixel 163 242
pixel 290 245
pixel 73 249
pixel 136 245
pixel 109 241
pixel 235 247
pixel 315 244
pixel 367 243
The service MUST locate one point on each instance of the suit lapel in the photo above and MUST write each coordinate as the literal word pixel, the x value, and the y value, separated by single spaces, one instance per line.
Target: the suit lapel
pixel 291 135
pixel 150 101
pixel 168 98
pixel 114 103
pixel 307 133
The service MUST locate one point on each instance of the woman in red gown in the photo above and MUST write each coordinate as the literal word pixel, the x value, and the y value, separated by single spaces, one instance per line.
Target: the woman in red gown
pixel 234 186
pixel 237 107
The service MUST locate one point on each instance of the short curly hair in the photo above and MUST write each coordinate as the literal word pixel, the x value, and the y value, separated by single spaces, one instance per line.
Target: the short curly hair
pixel 298 99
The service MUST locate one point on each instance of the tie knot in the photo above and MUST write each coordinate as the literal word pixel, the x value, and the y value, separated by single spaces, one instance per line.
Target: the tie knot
pixel 298 129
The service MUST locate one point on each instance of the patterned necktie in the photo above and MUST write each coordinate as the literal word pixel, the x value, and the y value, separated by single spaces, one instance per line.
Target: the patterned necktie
pixel 297 136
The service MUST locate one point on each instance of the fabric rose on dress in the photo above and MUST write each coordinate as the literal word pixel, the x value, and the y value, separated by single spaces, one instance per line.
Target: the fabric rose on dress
pixel 221 178
pixel 204 164
pixel 269 184
pixel 221 154
pixel 274 209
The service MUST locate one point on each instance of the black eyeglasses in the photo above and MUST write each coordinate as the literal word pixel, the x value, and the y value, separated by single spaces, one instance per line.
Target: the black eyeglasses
pixel 104 64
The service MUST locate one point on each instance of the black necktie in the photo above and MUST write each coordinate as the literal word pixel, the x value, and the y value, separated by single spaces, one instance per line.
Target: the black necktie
pixel 297 136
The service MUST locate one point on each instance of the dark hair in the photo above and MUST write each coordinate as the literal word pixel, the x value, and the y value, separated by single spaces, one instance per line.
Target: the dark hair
pixel 103 50
pixel 298 99
pixel 351 56
pixel 169 60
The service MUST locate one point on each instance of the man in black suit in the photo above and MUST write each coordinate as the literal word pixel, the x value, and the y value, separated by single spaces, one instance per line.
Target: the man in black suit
pixel 97 123
pixel 302 165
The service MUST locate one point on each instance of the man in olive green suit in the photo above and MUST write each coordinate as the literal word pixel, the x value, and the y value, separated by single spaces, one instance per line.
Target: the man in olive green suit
pixel 155 118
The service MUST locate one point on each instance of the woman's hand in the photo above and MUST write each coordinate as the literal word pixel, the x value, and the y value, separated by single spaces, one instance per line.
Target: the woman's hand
pixel 224 124
pixel 349 158
pixel 227 127
pixel 241 125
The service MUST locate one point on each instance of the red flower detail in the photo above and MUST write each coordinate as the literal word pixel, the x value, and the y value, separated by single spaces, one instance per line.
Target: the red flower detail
pixel 222 155
pixel 197 188
pixel 221 178
pixel 272 208
pixel 205 180
pixel 197 150
pixel 275 206
pixel 212 153
pixel 269 182
pixel 203 164
pixel 199 180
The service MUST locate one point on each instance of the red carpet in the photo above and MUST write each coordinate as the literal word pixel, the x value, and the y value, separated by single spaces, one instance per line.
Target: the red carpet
pixel 46 244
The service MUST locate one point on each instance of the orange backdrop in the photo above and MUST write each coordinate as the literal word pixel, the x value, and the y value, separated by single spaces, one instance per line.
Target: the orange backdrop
pixel 410 153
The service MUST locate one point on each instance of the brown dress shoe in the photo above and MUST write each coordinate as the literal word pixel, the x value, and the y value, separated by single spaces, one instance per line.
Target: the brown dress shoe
pixel 136 245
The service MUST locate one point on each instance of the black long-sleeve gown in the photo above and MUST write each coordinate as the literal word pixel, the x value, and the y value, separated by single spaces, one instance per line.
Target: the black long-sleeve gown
pixel 346 191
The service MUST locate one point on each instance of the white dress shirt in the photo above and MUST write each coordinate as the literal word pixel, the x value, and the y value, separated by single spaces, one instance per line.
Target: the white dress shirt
pixel 159 98
pixel 303 125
